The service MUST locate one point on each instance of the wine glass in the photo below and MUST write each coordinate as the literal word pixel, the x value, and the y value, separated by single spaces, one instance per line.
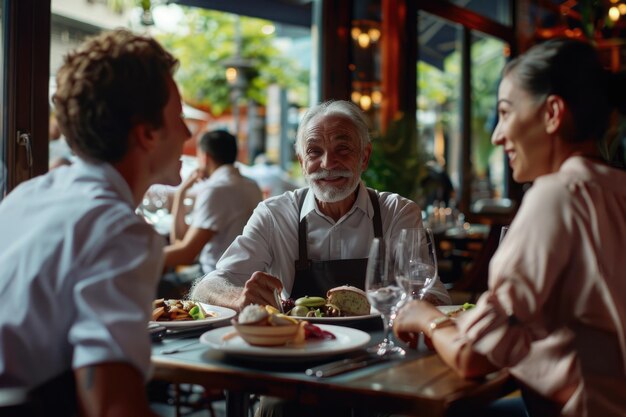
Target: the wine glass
pixel 384 293
pixel 415 259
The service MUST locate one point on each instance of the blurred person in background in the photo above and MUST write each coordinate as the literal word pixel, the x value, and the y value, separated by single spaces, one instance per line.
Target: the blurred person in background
pixel 79 267
pixel 553 314
pixel 271 178
pixel 224 202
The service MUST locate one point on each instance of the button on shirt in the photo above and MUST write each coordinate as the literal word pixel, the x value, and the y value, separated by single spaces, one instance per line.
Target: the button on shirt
pixel 79 272
pixel 269 241
pixel 224 204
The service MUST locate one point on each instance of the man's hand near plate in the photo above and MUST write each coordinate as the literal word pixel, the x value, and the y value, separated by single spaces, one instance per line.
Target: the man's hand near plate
pixel 259 289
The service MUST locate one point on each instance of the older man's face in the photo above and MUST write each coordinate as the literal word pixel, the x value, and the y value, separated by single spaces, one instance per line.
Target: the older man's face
pixel 332 159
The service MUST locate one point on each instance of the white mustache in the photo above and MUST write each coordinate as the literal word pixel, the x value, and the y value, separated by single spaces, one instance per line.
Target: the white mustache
pixel 324 173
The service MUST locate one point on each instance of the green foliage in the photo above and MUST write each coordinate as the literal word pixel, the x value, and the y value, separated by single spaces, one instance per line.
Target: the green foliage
pixel 206 40
pixel 397 163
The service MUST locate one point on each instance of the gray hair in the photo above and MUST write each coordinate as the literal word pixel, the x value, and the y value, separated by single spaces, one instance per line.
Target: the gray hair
pixel 335 108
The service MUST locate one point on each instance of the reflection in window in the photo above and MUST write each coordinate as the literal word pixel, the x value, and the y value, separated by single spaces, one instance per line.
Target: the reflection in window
pixel 488 161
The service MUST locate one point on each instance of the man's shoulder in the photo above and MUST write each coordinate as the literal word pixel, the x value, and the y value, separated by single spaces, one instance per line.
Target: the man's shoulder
pixel 392 200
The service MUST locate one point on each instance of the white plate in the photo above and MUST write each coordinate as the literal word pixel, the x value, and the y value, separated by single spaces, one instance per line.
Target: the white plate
pixel 223 314
pixel 373 313
pixel 347 339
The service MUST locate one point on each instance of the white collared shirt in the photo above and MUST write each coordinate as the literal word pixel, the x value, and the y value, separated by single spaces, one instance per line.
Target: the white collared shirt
pixel 79 272
pixel 269 241
pixel 224 204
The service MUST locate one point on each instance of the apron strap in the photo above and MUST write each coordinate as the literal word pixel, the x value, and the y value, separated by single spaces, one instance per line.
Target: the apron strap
pixel 303 261
pixel 377 221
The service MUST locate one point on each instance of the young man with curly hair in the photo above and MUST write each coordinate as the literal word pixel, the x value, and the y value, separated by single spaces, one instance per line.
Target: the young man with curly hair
pixel 79 267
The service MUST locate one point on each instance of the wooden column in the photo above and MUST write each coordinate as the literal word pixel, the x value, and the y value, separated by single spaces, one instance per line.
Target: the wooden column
pixel 399 59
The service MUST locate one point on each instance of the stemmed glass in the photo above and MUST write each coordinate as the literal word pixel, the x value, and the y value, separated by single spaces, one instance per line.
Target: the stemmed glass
pixel 384 293
pixel 415 263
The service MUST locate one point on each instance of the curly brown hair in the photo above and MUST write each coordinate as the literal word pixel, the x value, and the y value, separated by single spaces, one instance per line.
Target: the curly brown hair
pixel 112 82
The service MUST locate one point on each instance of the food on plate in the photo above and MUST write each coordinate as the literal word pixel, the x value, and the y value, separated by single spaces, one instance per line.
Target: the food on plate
pixel 464 307
pixel 351 301
pixel 311 302
pixel 178 310
pixel 253 314
pixel 344 301
pixel 266 326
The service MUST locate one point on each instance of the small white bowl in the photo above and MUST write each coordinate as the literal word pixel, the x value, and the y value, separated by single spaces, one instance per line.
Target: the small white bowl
pixel 264 335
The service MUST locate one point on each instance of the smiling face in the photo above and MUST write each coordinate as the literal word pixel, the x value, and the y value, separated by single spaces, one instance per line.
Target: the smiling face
pixel 171 135
pixel 331 157
pixel 521 131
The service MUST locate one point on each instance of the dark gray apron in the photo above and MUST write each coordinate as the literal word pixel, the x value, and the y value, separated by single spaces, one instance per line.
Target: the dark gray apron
pixel 314 278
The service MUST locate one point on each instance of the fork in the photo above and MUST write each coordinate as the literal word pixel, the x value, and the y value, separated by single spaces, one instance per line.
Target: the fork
pixel 177 349
pixel 279 304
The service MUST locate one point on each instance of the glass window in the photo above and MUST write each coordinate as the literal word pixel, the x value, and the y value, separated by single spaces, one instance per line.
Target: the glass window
pixel 438 104
pixel 500 10
pixel 3 151
pixel 488 56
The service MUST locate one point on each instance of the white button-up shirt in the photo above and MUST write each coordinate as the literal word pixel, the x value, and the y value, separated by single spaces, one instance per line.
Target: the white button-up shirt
pixel 269 241
pixel 79 272
pixel 224 204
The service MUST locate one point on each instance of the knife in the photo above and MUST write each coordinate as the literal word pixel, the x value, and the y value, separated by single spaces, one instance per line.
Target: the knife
pixel 344 365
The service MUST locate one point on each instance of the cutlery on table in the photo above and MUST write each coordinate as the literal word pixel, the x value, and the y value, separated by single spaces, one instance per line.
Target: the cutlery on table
pixel 344 365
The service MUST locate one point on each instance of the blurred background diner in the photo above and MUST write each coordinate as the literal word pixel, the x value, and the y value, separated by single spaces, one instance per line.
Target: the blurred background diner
pixel 425 73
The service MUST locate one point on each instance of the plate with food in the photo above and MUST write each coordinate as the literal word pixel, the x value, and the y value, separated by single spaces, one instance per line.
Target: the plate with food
pixel 262 331
pixel 454 310
pixel 345 303
pixel 172 313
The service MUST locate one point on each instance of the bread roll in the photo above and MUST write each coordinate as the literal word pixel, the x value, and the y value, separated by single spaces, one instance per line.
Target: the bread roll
pixel 352 301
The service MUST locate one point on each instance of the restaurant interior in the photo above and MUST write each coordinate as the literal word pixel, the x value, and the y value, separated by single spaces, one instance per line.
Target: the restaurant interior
pixel 425 73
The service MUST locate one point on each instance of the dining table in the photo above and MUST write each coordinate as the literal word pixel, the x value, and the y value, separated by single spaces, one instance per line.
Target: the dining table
pixel 417 384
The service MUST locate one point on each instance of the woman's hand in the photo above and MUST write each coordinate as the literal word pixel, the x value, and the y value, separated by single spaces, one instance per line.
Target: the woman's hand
pixel 414 318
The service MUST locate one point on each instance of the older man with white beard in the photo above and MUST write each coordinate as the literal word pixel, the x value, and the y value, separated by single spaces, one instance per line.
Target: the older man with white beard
pixel 304 243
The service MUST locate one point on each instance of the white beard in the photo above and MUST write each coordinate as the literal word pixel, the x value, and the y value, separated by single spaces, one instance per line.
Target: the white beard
pixel 330 193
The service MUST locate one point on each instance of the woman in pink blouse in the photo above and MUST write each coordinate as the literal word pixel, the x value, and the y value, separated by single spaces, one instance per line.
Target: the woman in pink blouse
pixel 555 310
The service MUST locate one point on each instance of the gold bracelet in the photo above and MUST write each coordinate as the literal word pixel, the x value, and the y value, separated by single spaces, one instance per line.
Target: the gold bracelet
pixel 440 322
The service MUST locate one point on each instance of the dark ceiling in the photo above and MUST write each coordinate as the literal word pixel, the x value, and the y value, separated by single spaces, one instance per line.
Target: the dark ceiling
pixel 293 12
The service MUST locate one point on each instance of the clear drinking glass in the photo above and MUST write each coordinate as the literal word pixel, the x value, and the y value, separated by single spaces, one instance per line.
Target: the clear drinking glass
pixel 503 232
pixel 415 263
pixel 384 293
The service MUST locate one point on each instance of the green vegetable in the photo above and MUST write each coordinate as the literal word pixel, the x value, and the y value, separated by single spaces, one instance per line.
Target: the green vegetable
pixel 468 306
pixel 300 311
pixel 311 302
pixel 196 312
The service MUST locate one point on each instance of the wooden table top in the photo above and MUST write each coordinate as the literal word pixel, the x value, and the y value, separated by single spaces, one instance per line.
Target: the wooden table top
pixel 419 384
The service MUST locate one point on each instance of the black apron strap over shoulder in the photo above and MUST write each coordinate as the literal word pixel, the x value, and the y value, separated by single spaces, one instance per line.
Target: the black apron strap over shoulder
pixel 377 220
pixel 317 277
pixel 303 256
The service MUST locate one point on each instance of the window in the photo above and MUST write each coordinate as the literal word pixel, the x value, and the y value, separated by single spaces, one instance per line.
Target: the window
pixel 3 150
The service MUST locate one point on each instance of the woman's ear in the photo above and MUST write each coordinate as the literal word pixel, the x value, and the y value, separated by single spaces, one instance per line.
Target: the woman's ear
pixel 555 113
